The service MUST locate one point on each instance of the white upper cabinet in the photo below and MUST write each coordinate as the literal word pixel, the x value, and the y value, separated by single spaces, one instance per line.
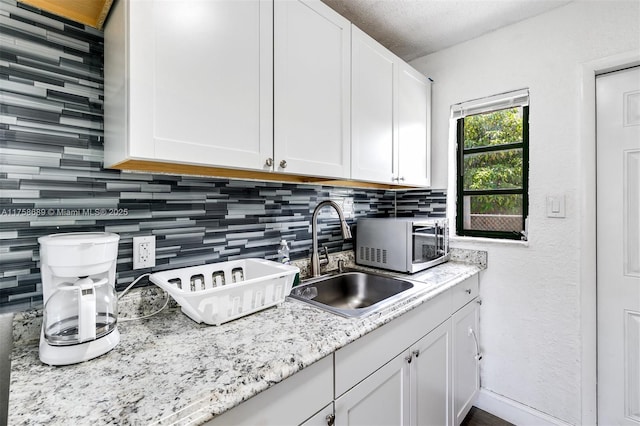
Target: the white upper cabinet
pixel 189 82
pixel 390 116
pixel 373 124
pixel 260 85
pixel 312 57
pixel 414 127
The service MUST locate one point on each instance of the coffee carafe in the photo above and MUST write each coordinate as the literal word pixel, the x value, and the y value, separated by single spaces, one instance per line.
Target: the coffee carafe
pixel 80 301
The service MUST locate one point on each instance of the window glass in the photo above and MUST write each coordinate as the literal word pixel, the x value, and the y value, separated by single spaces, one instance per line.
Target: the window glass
pixel 493 170
pixel 493 128
pixel 492 178
pixel 502 213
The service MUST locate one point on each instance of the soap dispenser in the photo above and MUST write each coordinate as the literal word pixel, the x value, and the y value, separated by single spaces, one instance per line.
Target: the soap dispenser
pixel 283 253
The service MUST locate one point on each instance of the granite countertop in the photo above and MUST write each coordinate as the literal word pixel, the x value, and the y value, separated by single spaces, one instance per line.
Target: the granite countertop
pixel 168 369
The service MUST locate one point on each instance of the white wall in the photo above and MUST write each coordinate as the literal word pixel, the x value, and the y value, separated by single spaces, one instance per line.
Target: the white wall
pixel 530 317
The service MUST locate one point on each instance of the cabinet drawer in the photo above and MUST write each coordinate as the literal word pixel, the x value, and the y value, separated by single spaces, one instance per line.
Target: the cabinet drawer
pixel 356 361
pixel 289 402
pixel 464 292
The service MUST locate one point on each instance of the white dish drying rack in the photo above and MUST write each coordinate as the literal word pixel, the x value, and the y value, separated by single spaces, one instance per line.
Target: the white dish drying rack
pixel 220 292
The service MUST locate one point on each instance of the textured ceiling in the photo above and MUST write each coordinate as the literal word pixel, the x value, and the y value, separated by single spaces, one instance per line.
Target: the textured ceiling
pixel 414 28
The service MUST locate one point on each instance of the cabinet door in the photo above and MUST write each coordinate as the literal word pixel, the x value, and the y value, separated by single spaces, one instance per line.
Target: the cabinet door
pixel 201 82
pixel 373 70
pixel 312 55
pixel 431 378
pixel 414 124
pixel 466 365
pixel 381 399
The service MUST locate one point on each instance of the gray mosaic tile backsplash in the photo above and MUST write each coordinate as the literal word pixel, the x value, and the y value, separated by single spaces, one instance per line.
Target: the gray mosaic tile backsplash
pixel 52 180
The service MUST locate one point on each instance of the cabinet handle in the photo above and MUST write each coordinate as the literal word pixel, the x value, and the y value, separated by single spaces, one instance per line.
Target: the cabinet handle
pixel 478 356
pixel 408 359
pixel 283 164
pixel 416 353
pixel 331 419
pixel 269 162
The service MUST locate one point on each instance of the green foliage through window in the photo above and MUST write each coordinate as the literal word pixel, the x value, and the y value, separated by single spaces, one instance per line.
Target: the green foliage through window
pixel 494 128
pixel 492 175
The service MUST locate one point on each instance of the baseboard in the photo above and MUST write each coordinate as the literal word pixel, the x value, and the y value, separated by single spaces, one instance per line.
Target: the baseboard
pixel 514 412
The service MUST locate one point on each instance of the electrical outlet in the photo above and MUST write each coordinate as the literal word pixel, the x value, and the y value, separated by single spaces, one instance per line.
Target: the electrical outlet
pixel 144 252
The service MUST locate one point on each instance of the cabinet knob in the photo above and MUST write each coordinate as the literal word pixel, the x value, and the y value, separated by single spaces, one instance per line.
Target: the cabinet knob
pixel 401 179
pixel 283 164
pixel 394 179
pixel 408 359
pixel 416 353
pixel 468 291
pixel 331 419
pixel 269 162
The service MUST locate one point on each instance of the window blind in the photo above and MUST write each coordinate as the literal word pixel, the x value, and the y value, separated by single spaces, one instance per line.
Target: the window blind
pixel 517 98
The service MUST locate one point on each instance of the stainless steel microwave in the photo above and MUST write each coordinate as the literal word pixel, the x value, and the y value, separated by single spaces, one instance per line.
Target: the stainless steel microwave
pixel 402 244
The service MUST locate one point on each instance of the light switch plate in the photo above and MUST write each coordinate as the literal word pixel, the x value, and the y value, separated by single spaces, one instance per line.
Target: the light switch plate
pixel 556 206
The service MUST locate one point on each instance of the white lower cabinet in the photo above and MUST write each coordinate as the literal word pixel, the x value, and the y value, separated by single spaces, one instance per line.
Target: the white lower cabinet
pixel 466 358
pixel 383 398
pixel 431 378
pixel 412 389
pixel 436 374
pixel 419 369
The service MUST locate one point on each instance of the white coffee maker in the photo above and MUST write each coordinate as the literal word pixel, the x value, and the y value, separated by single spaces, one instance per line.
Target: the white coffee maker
pixel 80 304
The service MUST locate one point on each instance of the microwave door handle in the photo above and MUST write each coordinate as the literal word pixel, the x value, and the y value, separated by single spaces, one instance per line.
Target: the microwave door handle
pixel 425 234
pixel 419 231
pixel 442 241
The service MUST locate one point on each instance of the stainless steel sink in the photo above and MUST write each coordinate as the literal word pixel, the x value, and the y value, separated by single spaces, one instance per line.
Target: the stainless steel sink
pixel 354 294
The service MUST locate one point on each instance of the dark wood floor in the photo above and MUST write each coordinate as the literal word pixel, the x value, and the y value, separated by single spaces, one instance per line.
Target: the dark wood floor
pixel 477 417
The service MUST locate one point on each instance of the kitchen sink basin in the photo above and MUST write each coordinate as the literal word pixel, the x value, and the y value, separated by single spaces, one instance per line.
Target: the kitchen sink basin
pixel 354 294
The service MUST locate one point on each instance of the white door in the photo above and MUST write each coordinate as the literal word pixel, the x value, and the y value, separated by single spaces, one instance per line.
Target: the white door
pixel 431 378
pixel 380 399
pixel 618 247
pixel 312 75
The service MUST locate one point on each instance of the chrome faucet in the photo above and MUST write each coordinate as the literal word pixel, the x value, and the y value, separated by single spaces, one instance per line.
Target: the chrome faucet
pixel 344 226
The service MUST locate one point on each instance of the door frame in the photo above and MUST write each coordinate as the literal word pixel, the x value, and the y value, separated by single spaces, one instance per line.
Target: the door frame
pixel 588 224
